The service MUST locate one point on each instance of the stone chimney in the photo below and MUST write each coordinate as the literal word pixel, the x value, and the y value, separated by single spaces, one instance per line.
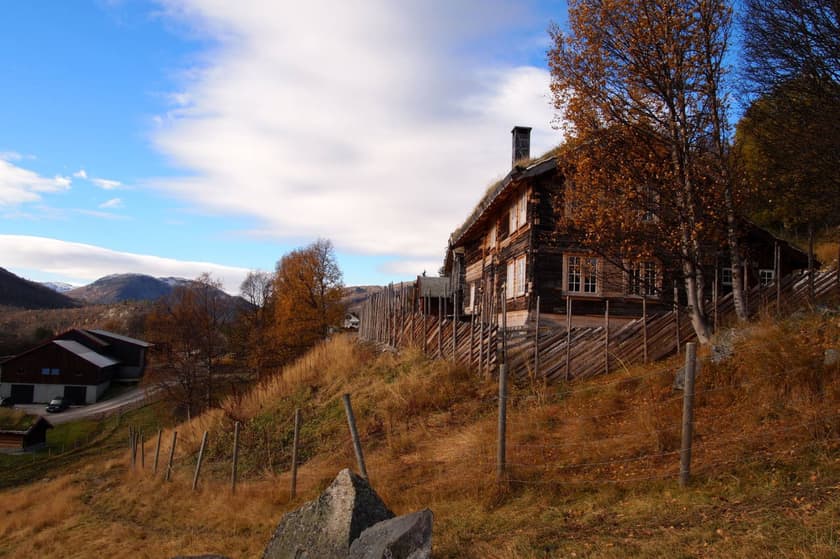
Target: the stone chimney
pixel 521 143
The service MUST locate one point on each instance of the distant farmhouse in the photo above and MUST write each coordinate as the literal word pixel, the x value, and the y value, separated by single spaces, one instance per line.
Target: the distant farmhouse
pixel 518 237
pixel 78 365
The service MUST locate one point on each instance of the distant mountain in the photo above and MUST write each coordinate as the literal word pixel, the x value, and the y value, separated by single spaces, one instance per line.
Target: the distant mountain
pixel 118 288
pixel 58 286
pixel 24 294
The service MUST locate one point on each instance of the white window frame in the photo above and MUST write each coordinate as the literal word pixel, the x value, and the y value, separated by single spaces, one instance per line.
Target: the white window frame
pixel 509 279
pixel 726 276
pixel 584 269
pixel 766 276
pixel 471 306
pixel 643 278
pixel 516 278
pixel 519 284
pixel 518 213
pixel 491 236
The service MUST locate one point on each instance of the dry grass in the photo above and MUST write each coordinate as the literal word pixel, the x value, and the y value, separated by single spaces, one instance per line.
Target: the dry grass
pixel 767 461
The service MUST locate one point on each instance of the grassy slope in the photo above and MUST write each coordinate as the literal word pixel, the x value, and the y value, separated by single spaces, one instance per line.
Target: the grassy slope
pixel 767 461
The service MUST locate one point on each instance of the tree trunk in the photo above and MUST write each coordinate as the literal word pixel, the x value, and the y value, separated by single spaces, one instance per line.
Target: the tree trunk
pixel 695 306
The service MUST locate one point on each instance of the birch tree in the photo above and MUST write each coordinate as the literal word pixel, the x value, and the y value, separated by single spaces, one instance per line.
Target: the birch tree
pixel 652 72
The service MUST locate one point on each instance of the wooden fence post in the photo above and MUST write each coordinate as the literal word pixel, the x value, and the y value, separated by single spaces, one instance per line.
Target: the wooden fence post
pixel 501 446
pixel 454 325
pixel 440 328
pixel 354 433
pixel 198 463
pixel 688 413
pixel 777 276
pixel 537 340
pixel 157 453
pixel 233 471
pixel 295 438
pixel 171 456
pixel 568 337
pixel 677 316
pixel 142 452
pixel 607 337
pixel 644 330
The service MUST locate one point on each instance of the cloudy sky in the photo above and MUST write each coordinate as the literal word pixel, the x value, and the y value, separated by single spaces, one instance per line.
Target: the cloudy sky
pixel 183 136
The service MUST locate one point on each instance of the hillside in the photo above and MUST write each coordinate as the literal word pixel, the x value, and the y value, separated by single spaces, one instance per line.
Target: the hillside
pixel 591 470
pixel 24 294
pixel 21 329
pixel 117 288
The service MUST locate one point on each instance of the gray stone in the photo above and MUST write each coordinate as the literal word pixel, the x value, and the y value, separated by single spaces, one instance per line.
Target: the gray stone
pixel 832 357
pixel 723 345
pixel 404 537
pixel 325 528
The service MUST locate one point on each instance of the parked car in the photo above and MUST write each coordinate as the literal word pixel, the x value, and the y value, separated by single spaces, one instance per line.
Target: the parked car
pixel 7 403
pixel 58 405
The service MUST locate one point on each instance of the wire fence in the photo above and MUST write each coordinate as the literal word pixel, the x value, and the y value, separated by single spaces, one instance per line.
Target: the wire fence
pixel 635 434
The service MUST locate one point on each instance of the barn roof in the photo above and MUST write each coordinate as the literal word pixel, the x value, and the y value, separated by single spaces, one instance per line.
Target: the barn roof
pixel 106 334
pixel 86 353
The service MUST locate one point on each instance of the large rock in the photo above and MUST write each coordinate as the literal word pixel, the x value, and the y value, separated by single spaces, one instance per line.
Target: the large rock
pixel 325 528
pixel 403 537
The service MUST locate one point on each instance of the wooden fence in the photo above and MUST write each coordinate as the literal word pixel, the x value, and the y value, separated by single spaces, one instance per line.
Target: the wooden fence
pixel 559 353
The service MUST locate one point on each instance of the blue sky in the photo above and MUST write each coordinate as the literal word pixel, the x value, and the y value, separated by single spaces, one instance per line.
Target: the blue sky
pixel 183 136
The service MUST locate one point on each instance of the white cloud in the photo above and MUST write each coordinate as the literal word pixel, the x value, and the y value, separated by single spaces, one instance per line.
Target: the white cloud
pixel 367 123
pixel 113 203
pixel 81 174
pixel 83 263
pixel 106 184
pixel 19 185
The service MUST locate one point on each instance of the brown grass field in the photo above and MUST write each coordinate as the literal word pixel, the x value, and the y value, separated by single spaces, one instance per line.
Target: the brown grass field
pixel 592 465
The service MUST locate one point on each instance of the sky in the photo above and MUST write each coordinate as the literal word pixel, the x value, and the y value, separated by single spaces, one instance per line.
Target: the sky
pixel 177 137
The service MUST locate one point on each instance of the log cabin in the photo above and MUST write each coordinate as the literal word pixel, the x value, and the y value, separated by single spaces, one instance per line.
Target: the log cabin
pixel 518 243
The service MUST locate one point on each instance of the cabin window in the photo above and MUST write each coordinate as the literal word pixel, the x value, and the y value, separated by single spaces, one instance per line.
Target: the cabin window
pixel 515 285
pixel 518 214
pixel 471 306
pixel 766 277
pixel 642 278
pixel 582 274
pixel 45 371
pixel 491 237
pixel 726 276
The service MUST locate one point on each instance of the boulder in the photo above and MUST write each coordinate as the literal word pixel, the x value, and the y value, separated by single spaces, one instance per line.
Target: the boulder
pixel 832 357
pixel 404 537
pixel 325 528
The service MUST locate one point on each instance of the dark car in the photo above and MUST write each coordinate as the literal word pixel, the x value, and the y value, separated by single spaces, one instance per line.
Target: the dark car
pixel 58 404
pixel 7 403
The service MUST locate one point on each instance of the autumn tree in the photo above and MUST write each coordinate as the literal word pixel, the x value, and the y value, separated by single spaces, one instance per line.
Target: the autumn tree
pixel 187 329
pixel 789 138
pixel 788 145
pixel 252 333
pixel 306 298
pixel 649 75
